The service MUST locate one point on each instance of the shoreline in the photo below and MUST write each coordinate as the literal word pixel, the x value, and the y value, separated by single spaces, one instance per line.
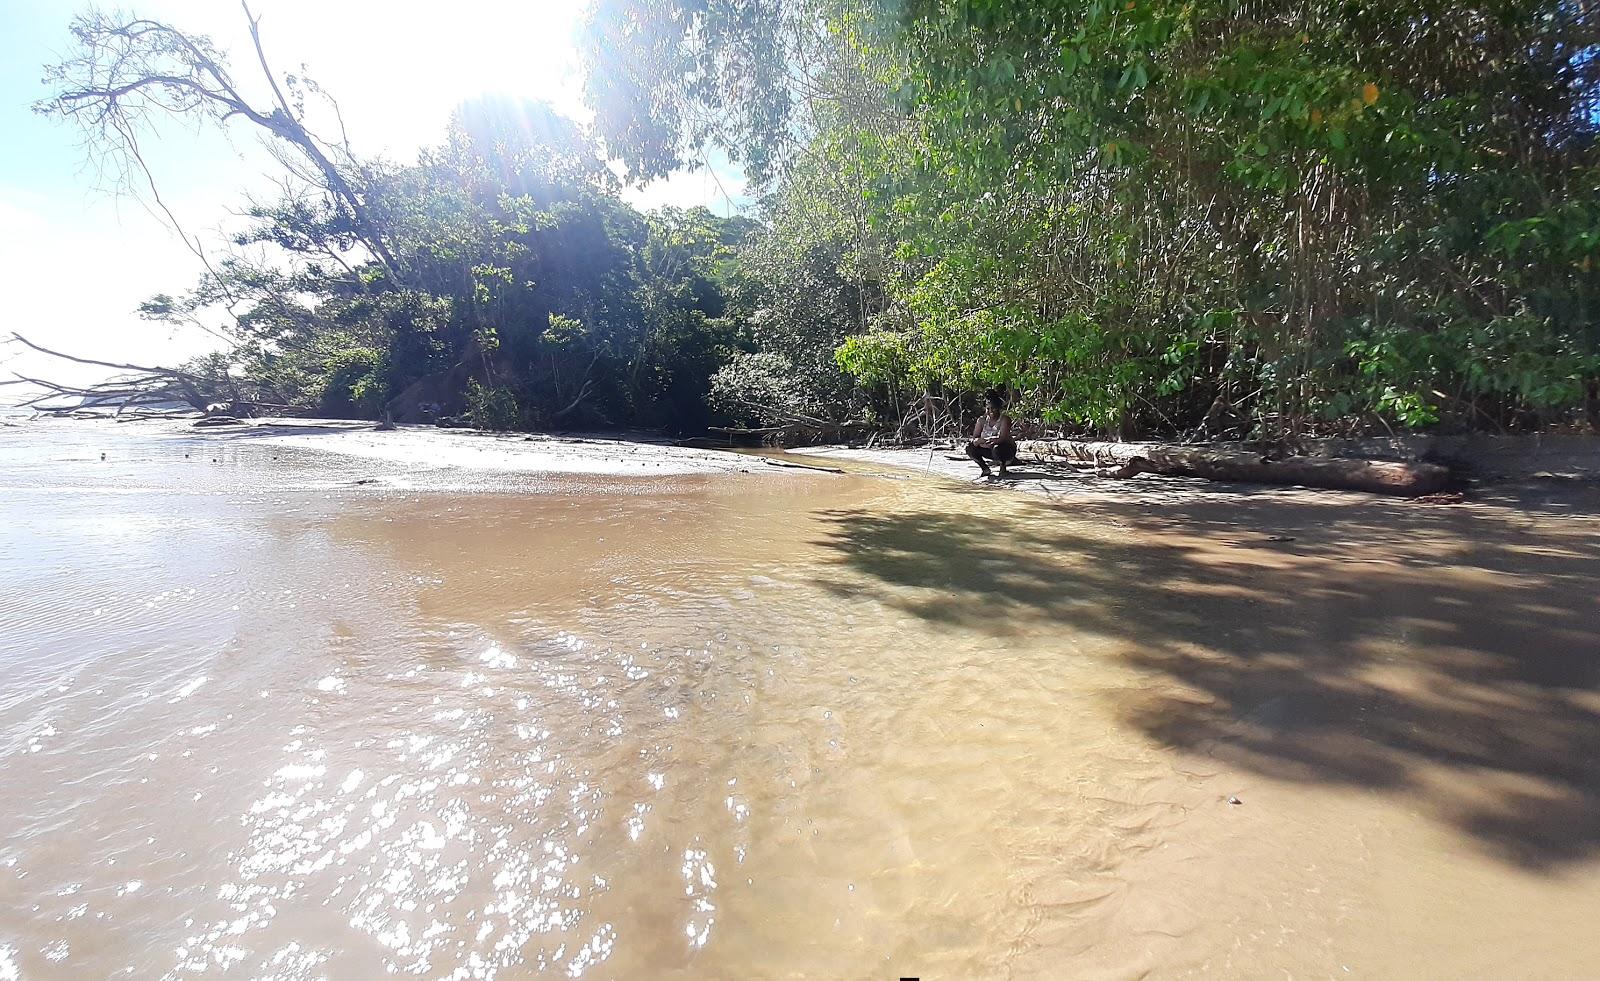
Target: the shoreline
pixel 417 450
pixel 421 448
pixel 1558 489
pixel 1059 481
pixel 596 455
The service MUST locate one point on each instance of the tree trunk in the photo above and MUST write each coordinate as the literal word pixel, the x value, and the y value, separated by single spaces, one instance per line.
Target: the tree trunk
pixel 1213 463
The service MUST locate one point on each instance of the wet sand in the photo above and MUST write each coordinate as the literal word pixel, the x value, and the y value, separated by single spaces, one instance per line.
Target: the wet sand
pixel 301 713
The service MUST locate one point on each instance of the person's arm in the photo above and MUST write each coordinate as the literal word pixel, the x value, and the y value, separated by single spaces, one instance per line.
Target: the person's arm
pixel 1005 429
pixel 977 430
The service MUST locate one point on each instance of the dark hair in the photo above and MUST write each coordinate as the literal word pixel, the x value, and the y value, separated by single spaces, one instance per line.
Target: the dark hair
pixel 992 397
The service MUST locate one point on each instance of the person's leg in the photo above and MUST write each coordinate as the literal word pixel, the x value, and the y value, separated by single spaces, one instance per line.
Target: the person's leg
pixel 1005 452
pixel 976 453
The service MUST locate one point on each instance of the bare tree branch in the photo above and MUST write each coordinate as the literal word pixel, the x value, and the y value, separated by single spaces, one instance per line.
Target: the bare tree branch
pixel 98 363
pixel 127 72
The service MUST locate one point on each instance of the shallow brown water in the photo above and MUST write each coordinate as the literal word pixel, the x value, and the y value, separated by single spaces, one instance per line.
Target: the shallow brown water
pixel 255 718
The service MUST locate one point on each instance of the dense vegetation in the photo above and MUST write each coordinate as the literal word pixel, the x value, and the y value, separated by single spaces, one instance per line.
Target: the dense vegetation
pixel 1160 216
pixel 530 295
pixel 498 281
pixel 1136 216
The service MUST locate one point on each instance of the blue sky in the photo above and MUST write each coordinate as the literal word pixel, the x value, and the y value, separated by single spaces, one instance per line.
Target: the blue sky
pixel 76 259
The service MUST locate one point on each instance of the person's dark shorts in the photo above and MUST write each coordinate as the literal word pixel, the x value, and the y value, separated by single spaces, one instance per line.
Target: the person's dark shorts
pixel 1004 451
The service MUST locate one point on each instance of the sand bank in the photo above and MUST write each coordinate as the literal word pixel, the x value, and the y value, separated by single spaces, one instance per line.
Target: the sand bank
pixel 427 446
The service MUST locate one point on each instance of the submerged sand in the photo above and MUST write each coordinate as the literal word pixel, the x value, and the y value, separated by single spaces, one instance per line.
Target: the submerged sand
pixel 313 709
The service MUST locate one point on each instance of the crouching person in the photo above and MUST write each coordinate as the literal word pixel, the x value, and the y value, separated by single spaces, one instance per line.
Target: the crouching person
pixel 991 437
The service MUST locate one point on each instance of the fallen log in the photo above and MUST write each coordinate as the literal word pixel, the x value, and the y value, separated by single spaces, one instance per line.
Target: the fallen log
pixel 1213 463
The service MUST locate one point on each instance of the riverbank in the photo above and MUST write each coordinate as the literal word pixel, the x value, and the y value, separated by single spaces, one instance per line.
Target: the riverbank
pixel 1048 480
pixel 616 455
pixel 1516 472
pixel 334 453
pixel 1515 477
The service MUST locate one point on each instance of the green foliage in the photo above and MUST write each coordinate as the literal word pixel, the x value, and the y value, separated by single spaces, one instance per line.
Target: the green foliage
pixel 531 293
pixel 758 389
pixel 1170 216
pixel 352 382
pixel 670 76
pixel 1137 216
pixel 492 407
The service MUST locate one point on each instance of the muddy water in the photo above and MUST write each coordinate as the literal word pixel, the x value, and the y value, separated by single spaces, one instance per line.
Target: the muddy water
pixel 258 718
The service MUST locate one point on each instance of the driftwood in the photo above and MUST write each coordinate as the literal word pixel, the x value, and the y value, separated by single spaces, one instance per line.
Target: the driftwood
pixel 140 387
pixel 1213 463
pixel 799 466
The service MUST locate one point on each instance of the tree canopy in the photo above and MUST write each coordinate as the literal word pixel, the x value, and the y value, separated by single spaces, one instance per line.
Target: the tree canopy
pixel 499 280
pixel 1247 218
pixel 1263 218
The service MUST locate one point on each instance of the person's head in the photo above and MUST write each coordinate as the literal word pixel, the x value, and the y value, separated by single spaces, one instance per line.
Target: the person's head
pixel 993 404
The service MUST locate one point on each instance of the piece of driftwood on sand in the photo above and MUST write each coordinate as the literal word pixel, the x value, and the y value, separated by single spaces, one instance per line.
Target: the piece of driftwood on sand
pixel 1406 479
pixel 799 466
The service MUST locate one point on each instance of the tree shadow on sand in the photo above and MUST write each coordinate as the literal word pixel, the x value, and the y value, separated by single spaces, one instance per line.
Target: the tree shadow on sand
pixel 1450 654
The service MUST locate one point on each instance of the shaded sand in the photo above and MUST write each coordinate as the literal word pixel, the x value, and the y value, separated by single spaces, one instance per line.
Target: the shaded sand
pixel 260 716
